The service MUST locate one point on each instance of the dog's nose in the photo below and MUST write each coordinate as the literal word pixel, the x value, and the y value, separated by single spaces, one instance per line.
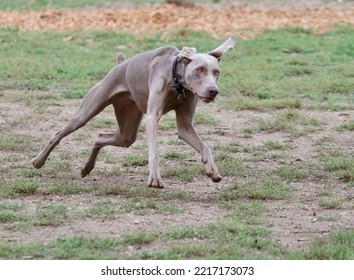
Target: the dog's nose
pixel 212 91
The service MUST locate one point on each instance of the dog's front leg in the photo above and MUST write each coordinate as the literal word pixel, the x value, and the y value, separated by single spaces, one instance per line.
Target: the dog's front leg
pixel 154 180
pixel 187 133
pixel 154 113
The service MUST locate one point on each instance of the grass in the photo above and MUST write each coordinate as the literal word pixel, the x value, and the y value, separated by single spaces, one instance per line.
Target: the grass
pixel 281 68
pixel 52 214
pixel 272 69
pixel 16 187
pixel 292 122
pixel 261 189
pixel 106 209
pixel 338 246
pixel 54 4
pixel 347 126
pixel 135 160
pixel 340 166
pixel 62 188
pixel 184 173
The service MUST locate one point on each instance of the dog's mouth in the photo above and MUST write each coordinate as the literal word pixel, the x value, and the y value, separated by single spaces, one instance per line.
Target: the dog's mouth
pixel 206 99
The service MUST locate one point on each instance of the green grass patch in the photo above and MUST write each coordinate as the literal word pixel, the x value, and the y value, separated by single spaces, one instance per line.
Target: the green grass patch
pixel 55 4
pixel 63 187
pixel 282 67
pixel 7 216
pixel 292 173
pixel 175 155
pixel 135 160
pixel 168 121
pixel 264 188
pixel 52 214
pixel 229 164
pixel 103 123
pixel 184 173
pixel 338 246
pixel 79 247
pixel 105 209
pixel 144 205
pixel 276 70
pixel 292 122
pixel 224 240
pixel 201 117
pixel 349 125
pixel 16 187
pixel 15 143
pixel 341 166
pixel 329 203
pixel 139 238
pixel 274 145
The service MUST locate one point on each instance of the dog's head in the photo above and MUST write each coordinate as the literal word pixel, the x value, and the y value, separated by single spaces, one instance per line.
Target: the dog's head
pixel 202 71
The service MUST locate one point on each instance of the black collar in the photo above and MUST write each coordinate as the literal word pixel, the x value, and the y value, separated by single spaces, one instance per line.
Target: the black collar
pixel 178 85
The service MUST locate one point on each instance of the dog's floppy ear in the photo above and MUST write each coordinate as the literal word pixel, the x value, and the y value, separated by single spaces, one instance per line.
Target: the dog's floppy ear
pixel 186 54
pixel 223 48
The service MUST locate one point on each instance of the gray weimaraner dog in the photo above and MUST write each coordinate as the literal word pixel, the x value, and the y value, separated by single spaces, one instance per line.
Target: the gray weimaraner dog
pixel 153 82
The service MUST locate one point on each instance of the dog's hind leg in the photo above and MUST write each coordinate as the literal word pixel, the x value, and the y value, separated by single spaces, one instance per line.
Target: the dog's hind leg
pixel 129 118
pixel 93 103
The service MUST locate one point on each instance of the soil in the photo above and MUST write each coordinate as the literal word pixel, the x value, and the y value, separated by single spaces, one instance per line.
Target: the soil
pixel 293 222
pixel 242 19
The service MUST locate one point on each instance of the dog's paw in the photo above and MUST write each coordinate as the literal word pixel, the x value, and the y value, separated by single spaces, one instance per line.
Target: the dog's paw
pixel 155 183
pixel 214 175
pixel 216 179
pixel 37 163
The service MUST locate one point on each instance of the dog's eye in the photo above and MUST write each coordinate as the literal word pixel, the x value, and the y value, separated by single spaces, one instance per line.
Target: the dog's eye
pixel 217 73
pixel 200 69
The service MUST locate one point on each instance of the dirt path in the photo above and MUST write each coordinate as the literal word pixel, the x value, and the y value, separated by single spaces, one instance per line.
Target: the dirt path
pixel 217 19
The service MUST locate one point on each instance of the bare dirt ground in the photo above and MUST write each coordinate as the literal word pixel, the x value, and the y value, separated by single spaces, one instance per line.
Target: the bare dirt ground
pixel 293 222
pixel 246 19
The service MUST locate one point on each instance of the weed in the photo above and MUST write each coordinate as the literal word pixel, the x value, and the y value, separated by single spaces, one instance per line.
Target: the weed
pixel 184 173
pixel 139 238
pixel 15 144
pixel 79 247
pixel 51 214
pixel 141 204
pixel 338 246
pixel 176 142
pixel 10 217
pixel 167 121
pixel 102 123
pixel 102 209
pixel 184 232
pixel 135 160
pixel 274 145
pixel 62 187
pixel 11 188
pixel 204 118
pixel 341 166
pixel 329 203
pixel 229 165
pixel 263 189
pixel 292 173
pixel 347 126
pixel 175 155
pixel 291 122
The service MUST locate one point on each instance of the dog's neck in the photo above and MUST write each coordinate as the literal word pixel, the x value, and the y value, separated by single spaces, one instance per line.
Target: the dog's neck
pixel 178 78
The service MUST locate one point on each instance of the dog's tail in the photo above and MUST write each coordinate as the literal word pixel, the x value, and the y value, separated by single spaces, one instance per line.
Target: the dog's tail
pixel 120 58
